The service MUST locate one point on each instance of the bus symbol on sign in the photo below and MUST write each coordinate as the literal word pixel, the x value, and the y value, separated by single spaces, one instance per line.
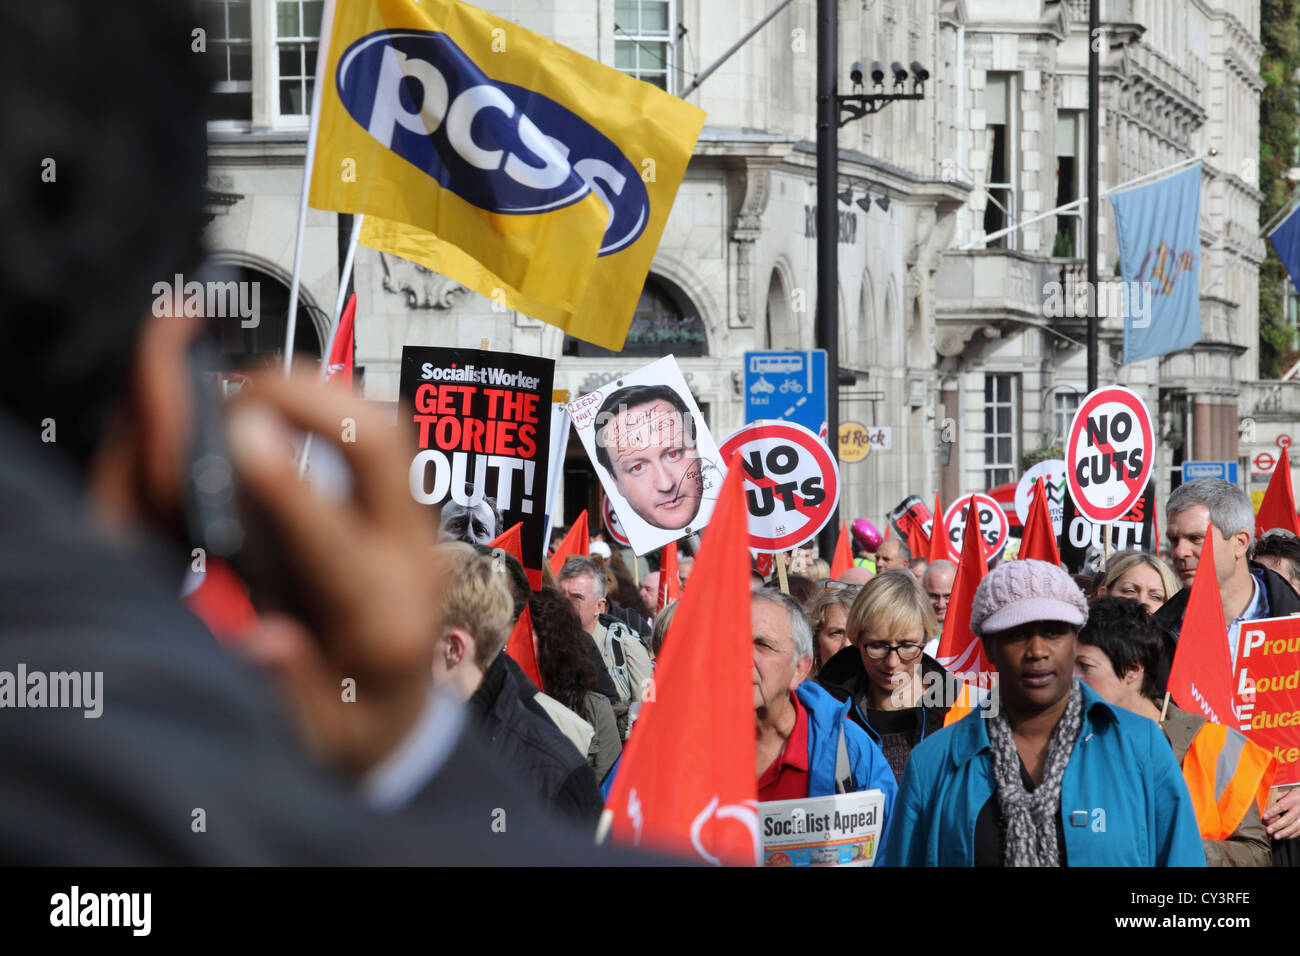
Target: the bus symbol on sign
pixel 1264 461
pixel 776 364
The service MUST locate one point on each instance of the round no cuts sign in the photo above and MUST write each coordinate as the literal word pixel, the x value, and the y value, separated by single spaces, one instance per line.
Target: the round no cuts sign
pixel 1109 453
pixel 792 483
pixel 612 524
pixel 993 524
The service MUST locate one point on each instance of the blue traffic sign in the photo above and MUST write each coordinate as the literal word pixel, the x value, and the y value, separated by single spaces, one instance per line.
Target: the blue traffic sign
pixel 1227 470
pixel 787 386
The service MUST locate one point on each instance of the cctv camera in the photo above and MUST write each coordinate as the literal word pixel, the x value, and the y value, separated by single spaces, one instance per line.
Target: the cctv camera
pixel 919 73
pixel 855 74
pixel 877 73
pixel 900 74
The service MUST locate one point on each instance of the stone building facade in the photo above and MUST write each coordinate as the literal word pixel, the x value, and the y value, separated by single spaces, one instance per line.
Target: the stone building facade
pixel 944 342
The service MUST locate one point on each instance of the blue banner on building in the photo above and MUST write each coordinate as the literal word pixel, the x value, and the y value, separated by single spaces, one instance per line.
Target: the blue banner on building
pixel 1286 242
pixel 1159 232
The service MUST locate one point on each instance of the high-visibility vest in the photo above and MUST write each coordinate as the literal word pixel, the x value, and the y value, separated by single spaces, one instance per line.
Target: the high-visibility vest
pixel 965 701
pixel 1224 773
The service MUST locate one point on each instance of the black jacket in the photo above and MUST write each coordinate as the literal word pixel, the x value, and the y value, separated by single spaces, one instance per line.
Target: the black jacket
pixel 1282 601
pixel 534 747
pixel 845 677
pixel 635 622
pixel 187 726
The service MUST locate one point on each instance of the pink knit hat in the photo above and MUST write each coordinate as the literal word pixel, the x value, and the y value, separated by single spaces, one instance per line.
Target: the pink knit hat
pixel 1017 592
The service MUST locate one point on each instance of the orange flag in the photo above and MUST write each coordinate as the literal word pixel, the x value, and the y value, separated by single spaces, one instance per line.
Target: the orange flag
pixel 842 560
pixel 576 542
pixel 938 534
pixel 1277 510
pixel 670 585
pixel 1038 540
pixel 687 784
pixel 960 651
pixel 1200 677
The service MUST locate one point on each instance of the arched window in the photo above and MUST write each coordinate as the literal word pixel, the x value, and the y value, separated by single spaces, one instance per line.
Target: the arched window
pixel 249 337
pixel 665 322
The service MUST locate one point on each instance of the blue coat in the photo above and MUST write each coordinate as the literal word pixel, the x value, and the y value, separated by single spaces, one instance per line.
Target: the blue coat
pixel 1123 799
pixel 866 761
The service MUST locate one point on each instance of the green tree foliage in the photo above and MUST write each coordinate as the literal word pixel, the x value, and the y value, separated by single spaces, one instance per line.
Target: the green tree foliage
pixel 1279 135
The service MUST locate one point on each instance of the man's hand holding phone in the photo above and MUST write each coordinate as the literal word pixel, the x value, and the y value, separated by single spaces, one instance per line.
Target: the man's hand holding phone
pixel 363 600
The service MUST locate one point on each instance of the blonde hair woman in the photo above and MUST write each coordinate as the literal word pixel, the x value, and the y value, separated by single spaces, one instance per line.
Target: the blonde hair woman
pixel 828 615
pixel 891 697
pixel 1142 577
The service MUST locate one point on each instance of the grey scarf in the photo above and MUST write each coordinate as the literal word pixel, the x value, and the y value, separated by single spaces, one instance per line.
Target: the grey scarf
pixel 1029 819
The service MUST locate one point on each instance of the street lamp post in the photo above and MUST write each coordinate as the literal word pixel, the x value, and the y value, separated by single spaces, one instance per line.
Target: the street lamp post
pixel 834 111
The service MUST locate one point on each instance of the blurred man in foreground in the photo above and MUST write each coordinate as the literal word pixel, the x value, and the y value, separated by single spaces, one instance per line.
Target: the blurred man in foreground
pixel 194 758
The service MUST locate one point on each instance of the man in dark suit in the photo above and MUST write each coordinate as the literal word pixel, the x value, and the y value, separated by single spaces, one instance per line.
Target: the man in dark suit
pixel 339 748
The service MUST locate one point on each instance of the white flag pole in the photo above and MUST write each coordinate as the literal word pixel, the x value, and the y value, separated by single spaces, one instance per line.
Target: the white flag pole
pixel 344 275
pixel 322 59
pixel 1287 208
pixel 981 242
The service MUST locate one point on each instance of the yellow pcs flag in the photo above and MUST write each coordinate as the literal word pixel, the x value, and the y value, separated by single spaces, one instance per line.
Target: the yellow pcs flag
pixel 625 140
pixel 420 124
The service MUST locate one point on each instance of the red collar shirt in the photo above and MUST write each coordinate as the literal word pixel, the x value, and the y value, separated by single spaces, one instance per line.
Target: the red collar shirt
pixel 787 777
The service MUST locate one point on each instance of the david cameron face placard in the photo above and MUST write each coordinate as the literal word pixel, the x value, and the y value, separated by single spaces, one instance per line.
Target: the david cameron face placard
pixel 652 456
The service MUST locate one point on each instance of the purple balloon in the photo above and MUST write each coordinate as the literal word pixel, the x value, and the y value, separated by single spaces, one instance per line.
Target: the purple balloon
pixel 866 535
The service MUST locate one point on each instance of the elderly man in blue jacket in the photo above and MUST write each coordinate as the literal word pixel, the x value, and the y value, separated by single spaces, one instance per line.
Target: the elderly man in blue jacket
pixel 799 725
pixel 1055 776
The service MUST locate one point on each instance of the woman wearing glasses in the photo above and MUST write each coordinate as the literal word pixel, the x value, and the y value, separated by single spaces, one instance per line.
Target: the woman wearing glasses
pixel 899 695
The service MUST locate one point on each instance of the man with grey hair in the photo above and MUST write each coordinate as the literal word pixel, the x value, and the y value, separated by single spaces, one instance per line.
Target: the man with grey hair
pixel 804 744
pixel 1249 591
pixel 583 582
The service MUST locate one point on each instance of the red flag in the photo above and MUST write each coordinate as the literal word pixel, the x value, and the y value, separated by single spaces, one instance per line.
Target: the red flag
pixel 1038 540
pixel 1200 677
pixel 687 784
pixel 339 368
pixel 917 541
pixel 670 584
pixel 512 542
pixel 1277 510
pixel 221 602
pixel 521 645
pixel 959 649
pixel 842 560
pixel 576 542
pixel 938 534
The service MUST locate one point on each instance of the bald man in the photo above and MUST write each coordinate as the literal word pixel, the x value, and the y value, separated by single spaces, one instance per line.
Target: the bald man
pixel 892 554
pixel 857 575
pixel 937 584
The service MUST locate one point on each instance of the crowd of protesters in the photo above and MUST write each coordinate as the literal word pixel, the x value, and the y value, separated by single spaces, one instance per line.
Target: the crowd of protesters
pixel 1079 720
